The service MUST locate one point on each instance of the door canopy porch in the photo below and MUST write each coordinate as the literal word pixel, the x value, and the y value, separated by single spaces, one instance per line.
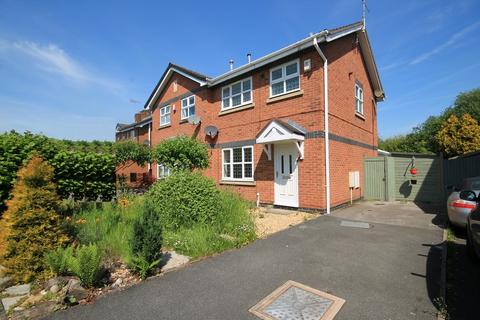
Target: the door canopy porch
pixel 278 131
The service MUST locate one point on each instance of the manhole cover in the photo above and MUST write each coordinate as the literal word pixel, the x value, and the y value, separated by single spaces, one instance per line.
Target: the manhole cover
pixel 295 301
pixel 354 224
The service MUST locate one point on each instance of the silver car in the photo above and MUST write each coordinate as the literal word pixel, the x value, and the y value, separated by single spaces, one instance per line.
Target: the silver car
pixel 460 205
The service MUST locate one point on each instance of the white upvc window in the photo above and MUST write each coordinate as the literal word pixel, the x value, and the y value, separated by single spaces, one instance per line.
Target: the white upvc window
pixel 237 163
pixel 237 94
pixel 358 99
pixel 188 107
pixel 285 78
pixel 163 171
pixel 165 116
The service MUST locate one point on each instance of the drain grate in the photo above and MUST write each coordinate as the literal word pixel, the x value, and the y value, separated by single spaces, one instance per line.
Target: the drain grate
pixel 295 301
pixel 354 224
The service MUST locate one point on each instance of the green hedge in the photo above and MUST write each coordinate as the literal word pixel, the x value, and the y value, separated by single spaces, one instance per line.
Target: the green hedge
pixel 86 169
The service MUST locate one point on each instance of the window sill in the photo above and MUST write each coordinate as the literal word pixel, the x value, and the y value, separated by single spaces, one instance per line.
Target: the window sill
pixel 183 120
pixel 236 109
pixel 164 126
pixel 284 96
pixel 238 183
pixel 359 115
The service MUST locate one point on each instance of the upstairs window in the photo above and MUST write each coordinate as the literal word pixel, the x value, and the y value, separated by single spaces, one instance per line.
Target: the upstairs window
pixel 284 78
pixel 237 163
pixel 358 99
pixel 188 107
pixel 237 94
pixel 165 118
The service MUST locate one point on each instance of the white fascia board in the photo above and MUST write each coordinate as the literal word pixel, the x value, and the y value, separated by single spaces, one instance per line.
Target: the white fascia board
pixel 372 69
pixel 282 134
pixel 343 33
pixel 281 53
pixel 165 80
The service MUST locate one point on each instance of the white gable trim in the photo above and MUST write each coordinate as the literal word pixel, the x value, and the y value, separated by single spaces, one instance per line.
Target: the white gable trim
pixel 275 132
pixel 160 88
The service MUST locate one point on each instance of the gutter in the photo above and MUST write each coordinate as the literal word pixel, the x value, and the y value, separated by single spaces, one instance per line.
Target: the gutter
pixel 327 138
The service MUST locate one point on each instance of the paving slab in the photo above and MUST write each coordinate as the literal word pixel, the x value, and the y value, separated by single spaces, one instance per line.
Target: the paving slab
pixel 384 272
pixel 11 301
pixel 19 290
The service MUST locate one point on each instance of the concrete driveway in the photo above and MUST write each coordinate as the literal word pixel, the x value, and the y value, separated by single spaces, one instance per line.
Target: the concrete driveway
pixel 385 272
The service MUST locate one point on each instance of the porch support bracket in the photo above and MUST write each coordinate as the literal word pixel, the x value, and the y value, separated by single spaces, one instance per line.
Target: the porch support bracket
pixel 300 148
pixel 268 150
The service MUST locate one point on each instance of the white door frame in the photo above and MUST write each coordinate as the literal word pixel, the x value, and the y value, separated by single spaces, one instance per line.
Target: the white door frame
pixel 286 184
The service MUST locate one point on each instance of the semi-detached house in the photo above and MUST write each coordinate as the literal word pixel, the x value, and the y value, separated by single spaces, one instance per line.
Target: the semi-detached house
pixel 265 122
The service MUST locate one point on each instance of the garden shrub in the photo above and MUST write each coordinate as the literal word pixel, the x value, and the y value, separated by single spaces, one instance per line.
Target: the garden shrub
pixel 183 199
pixel 60 260
pixel 147 235
pixel 181 153
pixel 86 264
pixel 34 224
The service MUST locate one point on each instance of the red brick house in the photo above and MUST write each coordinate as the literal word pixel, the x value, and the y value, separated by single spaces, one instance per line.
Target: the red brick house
pixel 264 122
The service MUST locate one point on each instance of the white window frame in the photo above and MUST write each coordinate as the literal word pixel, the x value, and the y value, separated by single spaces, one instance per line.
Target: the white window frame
pixel 187 107
pixel 165 171
pixel 358 99
pixel 284 77
pixel 242 92
pixel 243 162
pixel 165 114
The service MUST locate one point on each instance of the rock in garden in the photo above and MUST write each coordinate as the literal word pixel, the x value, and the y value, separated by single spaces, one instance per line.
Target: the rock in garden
pixel 117 282
pixel 55 288
pixel 5 282
pixel 19 290
pixel 76 290
pixel 11 301
pixel 172 260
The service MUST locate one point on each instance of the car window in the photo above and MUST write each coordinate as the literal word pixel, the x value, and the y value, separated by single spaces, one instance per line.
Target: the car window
pixel 475 185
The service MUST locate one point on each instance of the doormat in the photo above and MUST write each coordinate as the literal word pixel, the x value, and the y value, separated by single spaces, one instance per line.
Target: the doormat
pixel 355 224
pixel 295 301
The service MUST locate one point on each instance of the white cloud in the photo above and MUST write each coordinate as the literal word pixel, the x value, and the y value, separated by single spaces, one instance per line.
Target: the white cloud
pixel 453 39
pixel 53 59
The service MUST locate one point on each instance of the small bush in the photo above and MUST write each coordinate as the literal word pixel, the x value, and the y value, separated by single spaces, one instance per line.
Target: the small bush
pixel 147 235
pixel 86 264
pixel 59 260
pixel 33 220
pixel 185 198
pixel 140 265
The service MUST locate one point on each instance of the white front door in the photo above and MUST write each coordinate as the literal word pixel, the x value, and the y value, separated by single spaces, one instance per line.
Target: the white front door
pixel 286 175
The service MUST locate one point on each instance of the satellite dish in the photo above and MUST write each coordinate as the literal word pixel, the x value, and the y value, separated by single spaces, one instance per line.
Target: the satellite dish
pixel 211 131
pixel 194 119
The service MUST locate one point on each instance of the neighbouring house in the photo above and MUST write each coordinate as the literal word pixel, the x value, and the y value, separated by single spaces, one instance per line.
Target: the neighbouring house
pixel 133 175
pixel 264 122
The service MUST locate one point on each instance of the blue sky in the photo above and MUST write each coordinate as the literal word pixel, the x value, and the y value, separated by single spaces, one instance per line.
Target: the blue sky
pixel 73 69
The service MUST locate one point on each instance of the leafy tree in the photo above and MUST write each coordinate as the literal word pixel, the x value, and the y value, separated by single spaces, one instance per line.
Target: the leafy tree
pixel 33 223
pixel 459 136
pixel 181 153
pixel 131 151
pixel 423 137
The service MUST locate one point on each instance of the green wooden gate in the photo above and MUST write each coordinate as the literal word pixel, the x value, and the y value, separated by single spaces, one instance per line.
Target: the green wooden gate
pixel 375 178
pixel 389 178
